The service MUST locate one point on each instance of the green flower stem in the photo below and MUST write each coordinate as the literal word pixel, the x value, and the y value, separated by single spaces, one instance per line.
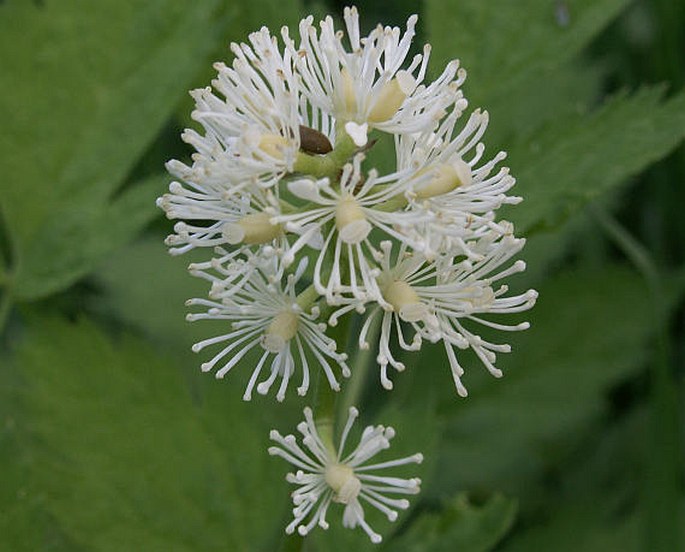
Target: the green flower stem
pixel 318 166
pixel 326 398
pixel 397 203
pixel 324 414
pixel 287 207
pixel 328 166
pixel 307 298
pixel 344 149
pixel 662 481
pixel 362 362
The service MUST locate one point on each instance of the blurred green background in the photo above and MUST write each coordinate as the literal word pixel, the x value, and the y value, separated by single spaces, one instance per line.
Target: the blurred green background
pixel 110 437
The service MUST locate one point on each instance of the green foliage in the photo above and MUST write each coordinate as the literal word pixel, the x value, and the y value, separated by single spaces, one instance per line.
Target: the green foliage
pixel 525 36
pixel 135 293
pixel 578 158
pixel 76 240
pixel 246 17
pixel 87 86
pixel 460 526
pixel 121 455
pixel 575 517
pixel 528 79
pixel 108 444
pixel 520 55
pixel 507 433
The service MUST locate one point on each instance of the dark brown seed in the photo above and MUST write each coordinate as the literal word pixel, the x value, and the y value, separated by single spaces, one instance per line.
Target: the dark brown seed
pixel 313 141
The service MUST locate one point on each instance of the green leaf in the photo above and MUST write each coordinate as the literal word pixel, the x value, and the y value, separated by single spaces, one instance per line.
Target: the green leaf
pixel 122 456
pixel 507 432
pixel 583 525
pixel 460 526
pixel 25 524
pixel 518 55
pixel 145 288
pixel 544 98
pixel 522 36
pixel 86 87
pixel 594 504
pixel 566 165
pixel 93 235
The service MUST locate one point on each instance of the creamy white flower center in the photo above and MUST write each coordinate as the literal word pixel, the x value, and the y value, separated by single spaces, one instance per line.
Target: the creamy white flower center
pixel 251 229
pixel 446 177
pixel 391 97
pixel 273 145
pixel 281 330
pixel 405 301
pixel 351 221
pixel 345 485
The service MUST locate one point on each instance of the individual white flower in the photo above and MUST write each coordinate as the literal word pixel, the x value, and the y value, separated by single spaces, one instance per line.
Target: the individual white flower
pixel 251 140
pixel 345 215
pixel 264 312
pixel 326 475
pixel 367 87
pixel 461 194
pixel 231 270
pixel 442 299
pixel 252 133
pixel 234 219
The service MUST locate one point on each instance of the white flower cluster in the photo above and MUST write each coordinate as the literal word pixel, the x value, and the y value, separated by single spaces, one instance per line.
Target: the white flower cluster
pixel 301 232
pixel 278 176
pixel 325 474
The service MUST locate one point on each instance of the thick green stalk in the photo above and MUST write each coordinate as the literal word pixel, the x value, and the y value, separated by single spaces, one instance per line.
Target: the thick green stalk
pixel 307 298
pixel 397 203
pixel 318 166
pixel 330 164
pixel 344 149
pixel 325 411
pixel 362 362
pixel 324 416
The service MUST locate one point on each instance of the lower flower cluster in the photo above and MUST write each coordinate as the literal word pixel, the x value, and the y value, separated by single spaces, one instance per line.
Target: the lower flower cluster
pixel 325 474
